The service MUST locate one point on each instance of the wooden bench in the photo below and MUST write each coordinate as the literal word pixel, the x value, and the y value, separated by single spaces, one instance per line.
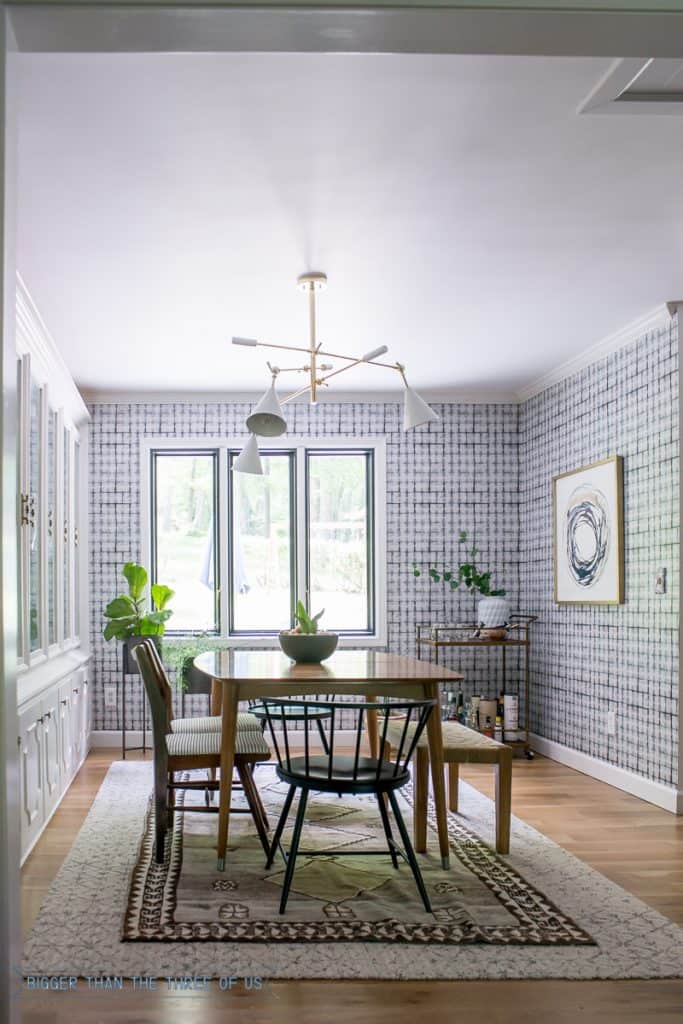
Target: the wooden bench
pixel 460 746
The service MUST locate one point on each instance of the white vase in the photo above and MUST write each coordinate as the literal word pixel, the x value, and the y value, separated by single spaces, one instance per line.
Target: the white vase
pixel 492 612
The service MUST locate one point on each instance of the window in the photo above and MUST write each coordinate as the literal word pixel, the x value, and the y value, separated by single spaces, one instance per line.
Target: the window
pixel 184 547
pixel 240 550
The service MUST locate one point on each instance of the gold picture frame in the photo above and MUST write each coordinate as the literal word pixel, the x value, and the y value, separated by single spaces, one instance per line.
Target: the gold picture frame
pixel 588 534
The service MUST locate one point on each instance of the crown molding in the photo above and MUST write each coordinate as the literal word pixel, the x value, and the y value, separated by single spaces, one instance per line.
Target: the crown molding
pixel 655 319
pixel 96 396
pixel 652 321
pixel 33 337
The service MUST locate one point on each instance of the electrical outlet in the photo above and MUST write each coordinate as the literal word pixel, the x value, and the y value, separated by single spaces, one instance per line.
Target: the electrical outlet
pixel 110 697
pixel 611 723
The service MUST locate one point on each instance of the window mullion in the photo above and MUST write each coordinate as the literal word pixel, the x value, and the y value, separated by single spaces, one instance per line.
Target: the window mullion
pixel 301 526
pixel 223 529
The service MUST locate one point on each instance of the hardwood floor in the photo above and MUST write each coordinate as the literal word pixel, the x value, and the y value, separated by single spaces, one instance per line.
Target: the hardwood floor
pixel 634 843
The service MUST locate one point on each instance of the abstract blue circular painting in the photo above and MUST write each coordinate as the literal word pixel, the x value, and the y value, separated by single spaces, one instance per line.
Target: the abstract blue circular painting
pixel 587 528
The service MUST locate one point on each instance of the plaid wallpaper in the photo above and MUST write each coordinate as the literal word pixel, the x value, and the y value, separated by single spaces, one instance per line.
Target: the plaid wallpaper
pixel 459 473
pixel 486 469
pixel 588 660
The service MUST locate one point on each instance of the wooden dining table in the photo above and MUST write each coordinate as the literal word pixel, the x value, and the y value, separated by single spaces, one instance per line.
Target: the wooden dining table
pixel 242 674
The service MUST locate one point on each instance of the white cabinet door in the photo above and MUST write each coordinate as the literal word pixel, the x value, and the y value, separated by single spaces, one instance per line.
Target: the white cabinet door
pixel 32 773
pixel 85 716
pixel 66 754
pixel 77 737
pixel 52 778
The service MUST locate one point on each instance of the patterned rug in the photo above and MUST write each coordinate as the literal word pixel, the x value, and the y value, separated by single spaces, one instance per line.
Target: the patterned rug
pixel 539 913
pixel 333 899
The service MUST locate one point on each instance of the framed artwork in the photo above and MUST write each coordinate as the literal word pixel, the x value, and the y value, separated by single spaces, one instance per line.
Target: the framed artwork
pixel 588 515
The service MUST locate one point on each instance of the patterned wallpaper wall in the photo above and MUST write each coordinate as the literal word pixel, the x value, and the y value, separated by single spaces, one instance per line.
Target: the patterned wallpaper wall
pixel 589 660
pixel 485 469
pixel 460 473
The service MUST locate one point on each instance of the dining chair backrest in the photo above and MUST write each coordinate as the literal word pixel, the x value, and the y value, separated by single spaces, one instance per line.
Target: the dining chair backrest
pixel 412 715
pixel 157 686
pixel 162 679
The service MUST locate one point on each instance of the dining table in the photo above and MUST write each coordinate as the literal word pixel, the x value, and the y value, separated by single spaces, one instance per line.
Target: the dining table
pixel 244 674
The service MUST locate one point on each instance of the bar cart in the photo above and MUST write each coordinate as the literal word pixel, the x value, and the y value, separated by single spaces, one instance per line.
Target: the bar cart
pixel 438 637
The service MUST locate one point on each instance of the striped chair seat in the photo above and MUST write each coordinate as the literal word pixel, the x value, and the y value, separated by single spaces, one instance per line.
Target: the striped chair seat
pixel 248 743
pixel 212 723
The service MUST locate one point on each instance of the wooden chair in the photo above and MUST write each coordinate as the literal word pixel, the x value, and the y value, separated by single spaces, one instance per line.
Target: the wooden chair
pixel 185 750
pixel 205 723
pixel 461 745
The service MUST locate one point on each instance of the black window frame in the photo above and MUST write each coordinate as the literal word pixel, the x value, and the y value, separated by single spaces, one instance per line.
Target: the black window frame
pixel 369 454
pixel 213 453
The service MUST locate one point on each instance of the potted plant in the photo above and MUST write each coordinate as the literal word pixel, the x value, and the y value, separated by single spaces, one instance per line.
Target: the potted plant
pixel 130 618
pixel 179 655
pixel 306 644
pixel 492 609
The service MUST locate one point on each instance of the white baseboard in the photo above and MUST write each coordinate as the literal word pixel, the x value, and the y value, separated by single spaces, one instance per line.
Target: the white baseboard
pixel 668 797
pixel 112 738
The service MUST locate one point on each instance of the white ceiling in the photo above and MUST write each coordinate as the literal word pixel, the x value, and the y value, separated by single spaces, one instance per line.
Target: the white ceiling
pixel 464 213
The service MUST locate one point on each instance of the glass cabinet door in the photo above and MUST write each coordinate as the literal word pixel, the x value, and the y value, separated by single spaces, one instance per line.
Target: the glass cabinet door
pixel 66 547
pixel 51 512
pixel 76 538
pixel 33 515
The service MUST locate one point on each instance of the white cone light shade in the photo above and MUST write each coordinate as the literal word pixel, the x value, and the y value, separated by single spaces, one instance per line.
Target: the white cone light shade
pixel 415 410
pixel 267 420
pixel 249 460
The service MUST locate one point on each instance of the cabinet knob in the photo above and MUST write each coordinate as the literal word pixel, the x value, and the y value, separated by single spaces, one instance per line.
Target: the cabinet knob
pixel 48 714
pixel 75 689
pixel 65 701
pixel 39 719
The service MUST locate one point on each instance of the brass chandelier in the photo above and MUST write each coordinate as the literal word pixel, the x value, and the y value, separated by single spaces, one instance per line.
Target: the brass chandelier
pixel 267 418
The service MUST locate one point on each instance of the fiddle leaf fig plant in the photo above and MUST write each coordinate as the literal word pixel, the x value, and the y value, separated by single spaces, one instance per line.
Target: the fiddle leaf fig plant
pixel 306 622
pixel 467 574
pixel 129 614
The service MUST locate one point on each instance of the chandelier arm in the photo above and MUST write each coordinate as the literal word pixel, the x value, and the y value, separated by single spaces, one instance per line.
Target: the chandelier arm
pixel 356 359
pixel 361 362
pixel 285 348
pixel 295 394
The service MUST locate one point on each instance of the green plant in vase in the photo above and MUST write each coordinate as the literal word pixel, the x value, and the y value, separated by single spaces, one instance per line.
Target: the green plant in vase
pixel 306 643
pixel 131 618
pixel 179 655
pixel 492 610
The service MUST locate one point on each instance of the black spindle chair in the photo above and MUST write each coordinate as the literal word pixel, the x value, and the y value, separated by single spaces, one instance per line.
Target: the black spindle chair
pixel 341 772
pixel 299 711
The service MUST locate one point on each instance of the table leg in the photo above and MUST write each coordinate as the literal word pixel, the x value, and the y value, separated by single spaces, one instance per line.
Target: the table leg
pixel 216 697
pixel 228 734
pixel 373 730
pixel 436 759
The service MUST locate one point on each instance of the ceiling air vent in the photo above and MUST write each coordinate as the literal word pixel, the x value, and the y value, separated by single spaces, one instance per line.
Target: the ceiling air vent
pixel 638 86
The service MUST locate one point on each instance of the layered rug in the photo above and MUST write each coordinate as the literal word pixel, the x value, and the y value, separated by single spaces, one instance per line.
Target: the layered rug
pixel 538 913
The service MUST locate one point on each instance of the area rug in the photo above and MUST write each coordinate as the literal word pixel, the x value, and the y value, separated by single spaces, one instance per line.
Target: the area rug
pixel 339 898
pixel 539 913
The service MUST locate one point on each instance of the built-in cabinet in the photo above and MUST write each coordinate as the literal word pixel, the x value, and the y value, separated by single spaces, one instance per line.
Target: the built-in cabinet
pixel 53 726
pixel 53 741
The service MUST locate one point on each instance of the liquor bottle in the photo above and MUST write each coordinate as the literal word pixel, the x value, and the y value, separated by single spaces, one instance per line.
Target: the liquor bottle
pixel 460 709
pixel 498 729
pixel 451 710
pixel 488 728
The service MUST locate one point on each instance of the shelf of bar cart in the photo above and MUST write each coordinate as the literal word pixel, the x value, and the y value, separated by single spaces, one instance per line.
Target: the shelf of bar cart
pixel 438 637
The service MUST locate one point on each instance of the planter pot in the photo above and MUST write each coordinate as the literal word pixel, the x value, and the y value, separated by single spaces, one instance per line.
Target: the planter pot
pixel 195 681
pixel 493 612
pixel 130 665
pixel 308 648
